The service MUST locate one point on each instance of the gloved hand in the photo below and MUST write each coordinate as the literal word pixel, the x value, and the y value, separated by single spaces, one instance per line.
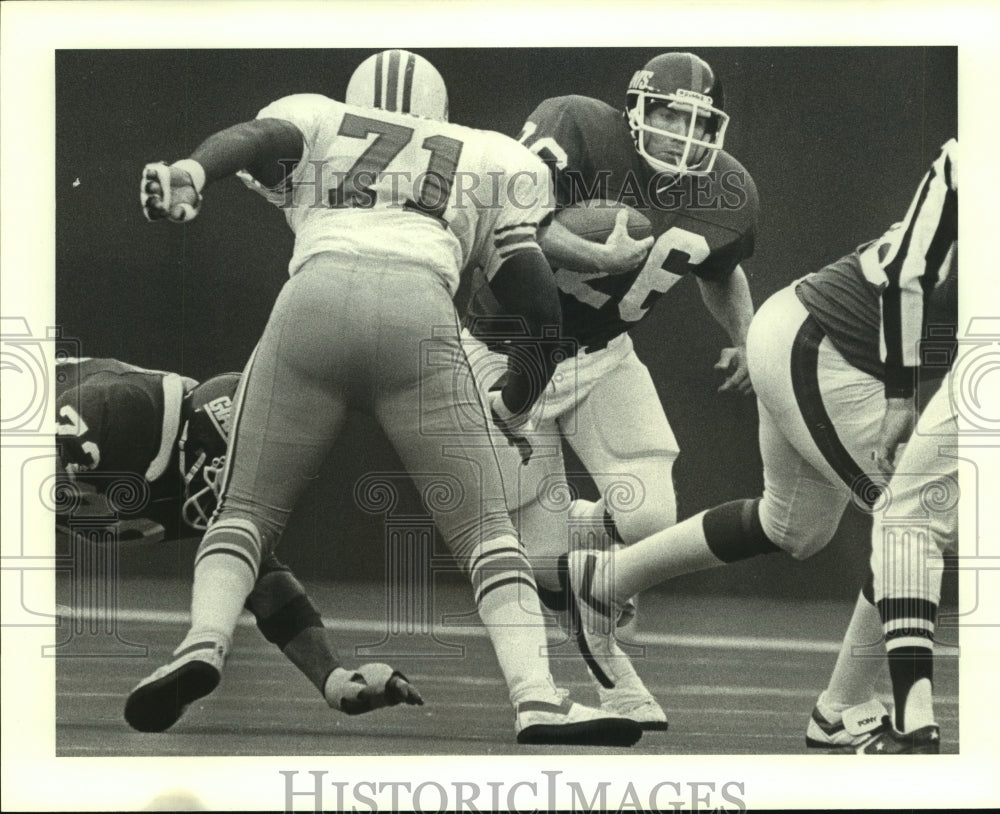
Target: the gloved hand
pixel 371 686
pixel 171 192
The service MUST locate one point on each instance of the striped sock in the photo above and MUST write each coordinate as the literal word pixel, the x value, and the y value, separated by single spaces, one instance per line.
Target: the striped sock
pixel 224 574
pixel 508 606
pixel 909 623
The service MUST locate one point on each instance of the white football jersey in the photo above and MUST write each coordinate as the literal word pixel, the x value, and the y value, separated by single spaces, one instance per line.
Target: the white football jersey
pixel 405 189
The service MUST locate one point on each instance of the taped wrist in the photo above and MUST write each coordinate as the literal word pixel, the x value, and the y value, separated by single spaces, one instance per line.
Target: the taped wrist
pixel 195 170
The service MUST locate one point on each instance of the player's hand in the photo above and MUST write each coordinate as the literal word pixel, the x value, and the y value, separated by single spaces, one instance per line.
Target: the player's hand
pixel 734 362
pixel 512 426
pixel 622 254
pixel 168 193
pixel 371 686
pixel 897 424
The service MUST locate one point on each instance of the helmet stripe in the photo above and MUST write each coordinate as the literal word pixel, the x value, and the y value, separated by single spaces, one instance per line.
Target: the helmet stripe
pixel 392 81
pixel 377 101
pixel 411 64
pixel 696 75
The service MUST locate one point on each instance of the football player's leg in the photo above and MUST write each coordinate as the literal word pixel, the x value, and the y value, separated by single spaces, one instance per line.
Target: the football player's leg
pixel 289 410
pixel 537 494
pixel 628 447
pixel 908 538
pixel 847 712
pixel 442 437
pixel 440 434
pixel 286 416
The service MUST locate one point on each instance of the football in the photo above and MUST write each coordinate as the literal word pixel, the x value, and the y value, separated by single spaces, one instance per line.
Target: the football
pixel 595 220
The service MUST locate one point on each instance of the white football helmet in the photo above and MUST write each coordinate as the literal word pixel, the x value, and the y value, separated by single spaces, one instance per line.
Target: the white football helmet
pixel 397 80
pixel 686 83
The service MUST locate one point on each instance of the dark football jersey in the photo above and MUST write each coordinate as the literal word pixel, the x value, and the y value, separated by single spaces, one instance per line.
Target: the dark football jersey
pixel 703 224
pixel 115 417
pixel 847 307
pixel 876 303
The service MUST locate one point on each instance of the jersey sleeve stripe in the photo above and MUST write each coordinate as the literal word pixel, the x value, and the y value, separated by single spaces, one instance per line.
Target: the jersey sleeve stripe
pixel 513 237
pixel 526 246
pixel 512 226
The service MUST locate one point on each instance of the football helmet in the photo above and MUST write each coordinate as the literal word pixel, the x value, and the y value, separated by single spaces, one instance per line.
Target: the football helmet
pixel 685 83
pixel 203 443
pixel 397 80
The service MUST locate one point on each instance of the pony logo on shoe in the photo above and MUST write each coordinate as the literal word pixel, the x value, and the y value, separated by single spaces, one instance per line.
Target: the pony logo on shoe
pixel 856 726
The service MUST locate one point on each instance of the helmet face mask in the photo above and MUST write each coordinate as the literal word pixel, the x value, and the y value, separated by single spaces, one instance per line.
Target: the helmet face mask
pixel 686 85
pixel 203 445
pixel 399 81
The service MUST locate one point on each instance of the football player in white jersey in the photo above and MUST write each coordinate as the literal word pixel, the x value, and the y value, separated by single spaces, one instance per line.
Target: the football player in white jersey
pixel 832 358
pixel 387 209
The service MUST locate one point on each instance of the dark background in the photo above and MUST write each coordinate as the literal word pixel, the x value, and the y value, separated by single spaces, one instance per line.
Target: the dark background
pixel 836 138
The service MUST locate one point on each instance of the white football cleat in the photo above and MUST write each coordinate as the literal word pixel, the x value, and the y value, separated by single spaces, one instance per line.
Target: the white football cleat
pixel 843 734
pixel 159 700
pixel 637 704
pixel 594 624
pixel 564 723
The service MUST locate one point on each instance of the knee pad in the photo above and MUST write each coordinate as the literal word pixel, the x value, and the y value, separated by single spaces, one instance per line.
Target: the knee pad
pixel 734 532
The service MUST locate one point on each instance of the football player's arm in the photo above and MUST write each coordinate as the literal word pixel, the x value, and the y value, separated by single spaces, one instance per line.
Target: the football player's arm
pixel 909 272
pixel 727 298
pixel 268 148
pixel 619 254
pixel 288 619
pixel 525 286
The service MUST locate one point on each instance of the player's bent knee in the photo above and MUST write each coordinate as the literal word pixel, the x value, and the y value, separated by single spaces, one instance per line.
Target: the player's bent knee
pixel 800 543
pixel 733 531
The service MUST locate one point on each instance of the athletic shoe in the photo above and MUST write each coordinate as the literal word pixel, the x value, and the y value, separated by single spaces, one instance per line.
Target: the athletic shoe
pixel 639 707
pixel 593 623
pixel 159 700
pixel 923 741
pixel 852 728
pixel 568 724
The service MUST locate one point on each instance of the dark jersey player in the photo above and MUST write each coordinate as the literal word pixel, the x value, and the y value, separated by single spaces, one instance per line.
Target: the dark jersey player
pixel 832 357
pixel 662 154
pixel 117 422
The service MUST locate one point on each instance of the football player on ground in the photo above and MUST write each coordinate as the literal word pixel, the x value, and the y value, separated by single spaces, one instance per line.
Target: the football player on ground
pixel 115 419
pixel 373 273
pixel 832 359
pixel 663 155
